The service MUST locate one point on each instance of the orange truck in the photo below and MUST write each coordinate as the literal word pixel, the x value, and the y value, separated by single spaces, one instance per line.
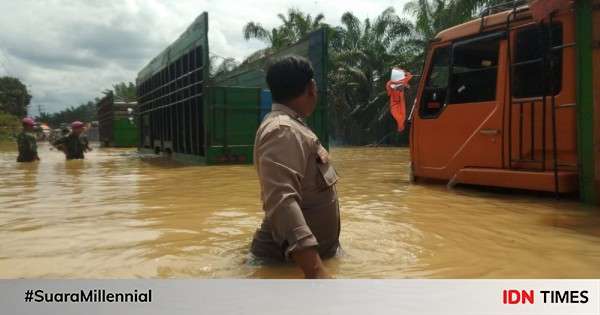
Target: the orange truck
pixel 500 102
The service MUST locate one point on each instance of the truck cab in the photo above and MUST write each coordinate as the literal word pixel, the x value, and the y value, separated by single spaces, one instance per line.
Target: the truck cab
pixel 496 104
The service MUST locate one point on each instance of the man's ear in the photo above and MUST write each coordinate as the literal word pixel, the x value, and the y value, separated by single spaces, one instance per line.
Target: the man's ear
pixel 312 87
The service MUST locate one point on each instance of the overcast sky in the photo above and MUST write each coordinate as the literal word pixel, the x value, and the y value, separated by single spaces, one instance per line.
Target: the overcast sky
pixel 69 51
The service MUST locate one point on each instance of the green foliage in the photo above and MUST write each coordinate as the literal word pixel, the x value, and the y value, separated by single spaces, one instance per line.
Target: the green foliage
pixel 219 65
pixel 85 112
pixel 433 16
pixel 9 126
pixel 14 97
pixel 123 92
pixel 362 54
pixel 294 26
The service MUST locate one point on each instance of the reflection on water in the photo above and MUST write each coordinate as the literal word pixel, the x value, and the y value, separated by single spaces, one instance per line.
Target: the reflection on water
pixel 116 215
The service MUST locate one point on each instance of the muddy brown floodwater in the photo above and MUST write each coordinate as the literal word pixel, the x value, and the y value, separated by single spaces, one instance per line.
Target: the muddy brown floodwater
pixel 115 215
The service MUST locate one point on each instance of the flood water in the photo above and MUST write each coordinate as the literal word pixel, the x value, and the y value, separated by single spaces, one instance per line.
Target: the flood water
pixel 115 215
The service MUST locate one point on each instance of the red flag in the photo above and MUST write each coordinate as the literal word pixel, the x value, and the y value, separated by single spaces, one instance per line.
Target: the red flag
pixel 395 90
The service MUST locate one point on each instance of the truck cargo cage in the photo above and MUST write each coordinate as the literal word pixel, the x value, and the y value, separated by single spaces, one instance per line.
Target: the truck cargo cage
pixel 116 122
pixel 186 114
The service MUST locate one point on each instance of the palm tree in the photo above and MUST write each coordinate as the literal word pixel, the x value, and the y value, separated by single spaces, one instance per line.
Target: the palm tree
pixel 295 26
pixel 362 55
pixel 276 38
pixel 298 24
pixel 433 16
pixel 219 67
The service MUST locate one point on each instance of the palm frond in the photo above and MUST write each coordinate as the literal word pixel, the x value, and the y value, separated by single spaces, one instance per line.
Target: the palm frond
pixel 255 30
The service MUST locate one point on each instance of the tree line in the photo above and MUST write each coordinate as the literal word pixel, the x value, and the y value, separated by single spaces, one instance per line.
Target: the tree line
pixel 14 100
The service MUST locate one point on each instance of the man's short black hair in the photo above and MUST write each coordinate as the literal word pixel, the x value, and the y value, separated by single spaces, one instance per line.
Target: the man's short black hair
pixel 288 77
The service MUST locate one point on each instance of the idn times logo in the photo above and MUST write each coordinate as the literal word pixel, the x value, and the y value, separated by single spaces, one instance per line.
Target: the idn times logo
pixel 514 296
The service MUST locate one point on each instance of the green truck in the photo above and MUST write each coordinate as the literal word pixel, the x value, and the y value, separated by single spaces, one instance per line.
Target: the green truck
pixel 116 122
pixel 192 117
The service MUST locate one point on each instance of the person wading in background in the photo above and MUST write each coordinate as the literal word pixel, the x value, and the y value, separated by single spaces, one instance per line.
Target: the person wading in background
pixel 302 218
pixel 75 144
pixel 27 143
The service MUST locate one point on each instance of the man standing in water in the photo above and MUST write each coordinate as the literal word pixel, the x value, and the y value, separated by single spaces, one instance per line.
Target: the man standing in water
pixel 302 219
pixel 27 143
pixel 74 144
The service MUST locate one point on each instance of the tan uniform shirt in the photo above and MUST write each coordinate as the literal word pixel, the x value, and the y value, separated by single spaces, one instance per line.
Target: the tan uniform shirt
pixel 297 189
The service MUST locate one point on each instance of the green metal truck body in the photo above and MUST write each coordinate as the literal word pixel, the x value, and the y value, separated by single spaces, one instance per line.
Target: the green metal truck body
pixel 186 114
pixel 116 125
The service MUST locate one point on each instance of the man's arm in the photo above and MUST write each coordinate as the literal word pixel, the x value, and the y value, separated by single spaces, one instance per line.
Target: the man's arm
pixel 309 261
pixel 282 161
pixel 86 144
pixel 60 144
pixel 22 143
pixel 34 148
pixel 59 141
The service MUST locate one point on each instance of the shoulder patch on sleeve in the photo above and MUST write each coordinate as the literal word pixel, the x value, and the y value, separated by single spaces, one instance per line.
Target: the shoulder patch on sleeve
pixel 284 120
pixel 275 122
